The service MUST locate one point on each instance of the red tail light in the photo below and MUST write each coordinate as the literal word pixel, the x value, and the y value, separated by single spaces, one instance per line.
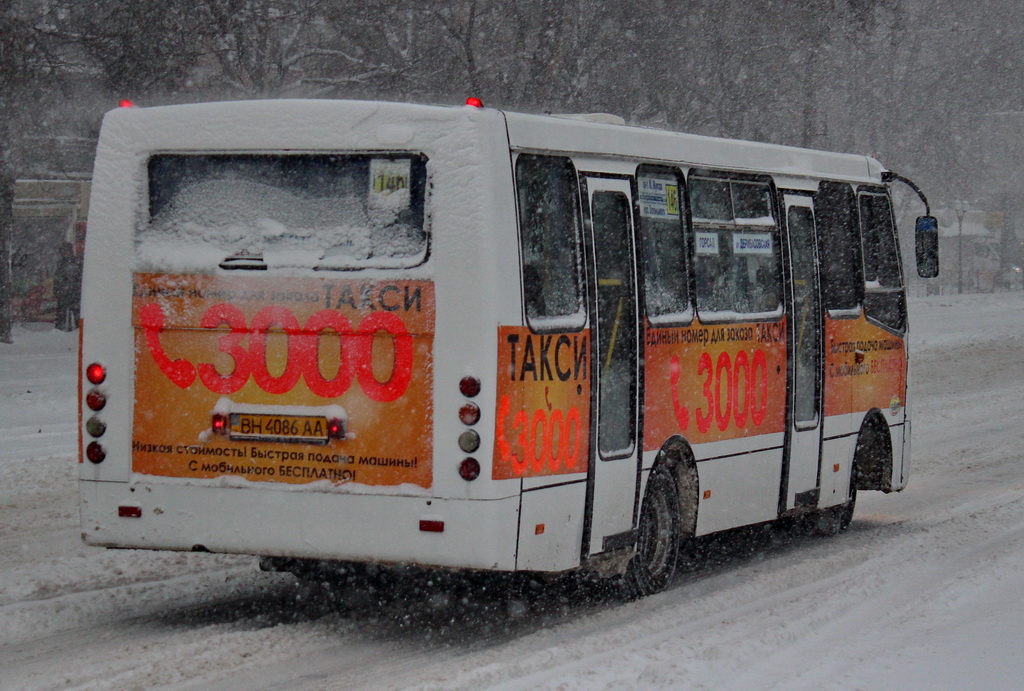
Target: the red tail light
pixel 96 373
pixel 469 386
pixel 469 469
pixel 95 399
pixel 95 452
pixel 475 102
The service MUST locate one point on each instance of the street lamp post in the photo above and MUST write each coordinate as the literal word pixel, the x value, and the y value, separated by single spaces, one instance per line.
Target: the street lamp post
pixel 961 211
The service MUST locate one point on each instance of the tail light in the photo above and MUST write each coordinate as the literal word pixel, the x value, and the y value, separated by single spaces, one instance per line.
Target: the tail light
pixel 95 452
pixel 469 440
pixel 96 400
pixel 469 469
pixel 469 386
pixel 96 373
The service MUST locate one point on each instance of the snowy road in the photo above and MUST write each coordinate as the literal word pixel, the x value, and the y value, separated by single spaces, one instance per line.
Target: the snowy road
pixel 924 591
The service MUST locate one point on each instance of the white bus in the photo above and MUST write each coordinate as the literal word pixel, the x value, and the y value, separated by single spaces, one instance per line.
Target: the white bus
pixel 464 338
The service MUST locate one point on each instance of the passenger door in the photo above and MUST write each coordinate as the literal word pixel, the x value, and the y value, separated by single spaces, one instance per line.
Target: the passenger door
pixel 613 482
pixel 802 476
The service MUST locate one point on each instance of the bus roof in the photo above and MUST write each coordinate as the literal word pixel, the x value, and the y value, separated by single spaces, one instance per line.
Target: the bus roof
pixel 557 133
pixel 319 123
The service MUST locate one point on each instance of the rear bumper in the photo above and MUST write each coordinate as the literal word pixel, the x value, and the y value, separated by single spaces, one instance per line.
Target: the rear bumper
pixel 478 534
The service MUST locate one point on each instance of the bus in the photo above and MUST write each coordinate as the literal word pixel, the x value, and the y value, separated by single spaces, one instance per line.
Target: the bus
pixel 350 332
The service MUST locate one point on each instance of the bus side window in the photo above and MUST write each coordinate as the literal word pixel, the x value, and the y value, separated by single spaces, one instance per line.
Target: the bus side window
pixel 884 300
pixel 549 236
pixel 736 249
pixel 842 279
pixel 662 227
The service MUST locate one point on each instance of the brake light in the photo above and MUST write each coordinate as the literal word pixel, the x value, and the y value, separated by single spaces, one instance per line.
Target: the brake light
pixel 96 373
pixel 475 102
pixel 125 103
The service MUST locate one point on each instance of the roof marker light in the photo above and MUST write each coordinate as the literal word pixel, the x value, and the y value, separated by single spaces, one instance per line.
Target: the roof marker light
pixel 475 102
pixel 125 103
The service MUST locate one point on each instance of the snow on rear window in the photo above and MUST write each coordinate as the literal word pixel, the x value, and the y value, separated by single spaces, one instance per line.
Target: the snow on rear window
pixel 321 211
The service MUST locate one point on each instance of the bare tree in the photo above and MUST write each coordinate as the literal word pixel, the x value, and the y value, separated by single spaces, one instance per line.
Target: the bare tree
pixel 24 61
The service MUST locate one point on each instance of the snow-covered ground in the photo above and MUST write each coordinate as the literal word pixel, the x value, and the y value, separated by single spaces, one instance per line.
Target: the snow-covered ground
pixel 923 592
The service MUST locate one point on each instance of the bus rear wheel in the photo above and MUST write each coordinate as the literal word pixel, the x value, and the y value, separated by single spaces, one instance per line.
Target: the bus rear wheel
pixel 657 544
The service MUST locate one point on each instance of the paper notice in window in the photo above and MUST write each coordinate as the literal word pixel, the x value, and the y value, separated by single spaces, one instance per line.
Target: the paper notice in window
pixel 706 243
pixel 389 183
pixel 659 198
pixel 751 243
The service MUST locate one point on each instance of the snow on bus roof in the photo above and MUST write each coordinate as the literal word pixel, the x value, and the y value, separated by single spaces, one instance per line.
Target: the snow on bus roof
pixel 318 124
pixel 549 133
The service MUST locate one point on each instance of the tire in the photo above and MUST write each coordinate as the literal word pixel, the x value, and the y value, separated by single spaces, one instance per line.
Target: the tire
pixel 657 544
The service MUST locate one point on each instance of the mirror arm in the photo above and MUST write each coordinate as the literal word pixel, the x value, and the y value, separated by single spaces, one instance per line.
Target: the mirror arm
pixel 889 176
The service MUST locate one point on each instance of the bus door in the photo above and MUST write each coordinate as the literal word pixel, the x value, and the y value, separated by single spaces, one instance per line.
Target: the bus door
pixel 802 478
pixel 613 482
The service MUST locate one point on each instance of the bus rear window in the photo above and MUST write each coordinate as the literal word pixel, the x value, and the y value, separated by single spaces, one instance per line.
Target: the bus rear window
pixel 321 211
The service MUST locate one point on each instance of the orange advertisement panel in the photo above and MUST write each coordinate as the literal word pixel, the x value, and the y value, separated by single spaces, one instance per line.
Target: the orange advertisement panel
pixel 865 368
pixel 283 380
pixel 543 403
pixel 711 383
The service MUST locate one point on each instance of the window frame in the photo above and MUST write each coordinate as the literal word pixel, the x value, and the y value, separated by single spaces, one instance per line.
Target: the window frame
pixel 823 213
pixel 419 191
pixel 873 289
pixel 736 317
pixel 562 323
pixel 685 316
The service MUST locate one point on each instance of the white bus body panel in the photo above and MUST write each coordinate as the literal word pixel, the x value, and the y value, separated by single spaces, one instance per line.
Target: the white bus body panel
pixel 472 221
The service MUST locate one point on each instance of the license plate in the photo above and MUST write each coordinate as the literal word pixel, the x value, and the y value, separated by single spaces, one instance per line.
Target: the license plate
pixel 286 428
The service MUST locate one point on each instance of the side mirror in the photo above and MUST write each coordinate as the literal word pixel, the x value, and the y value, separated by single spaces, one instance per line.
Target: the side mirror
pixel 926 241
